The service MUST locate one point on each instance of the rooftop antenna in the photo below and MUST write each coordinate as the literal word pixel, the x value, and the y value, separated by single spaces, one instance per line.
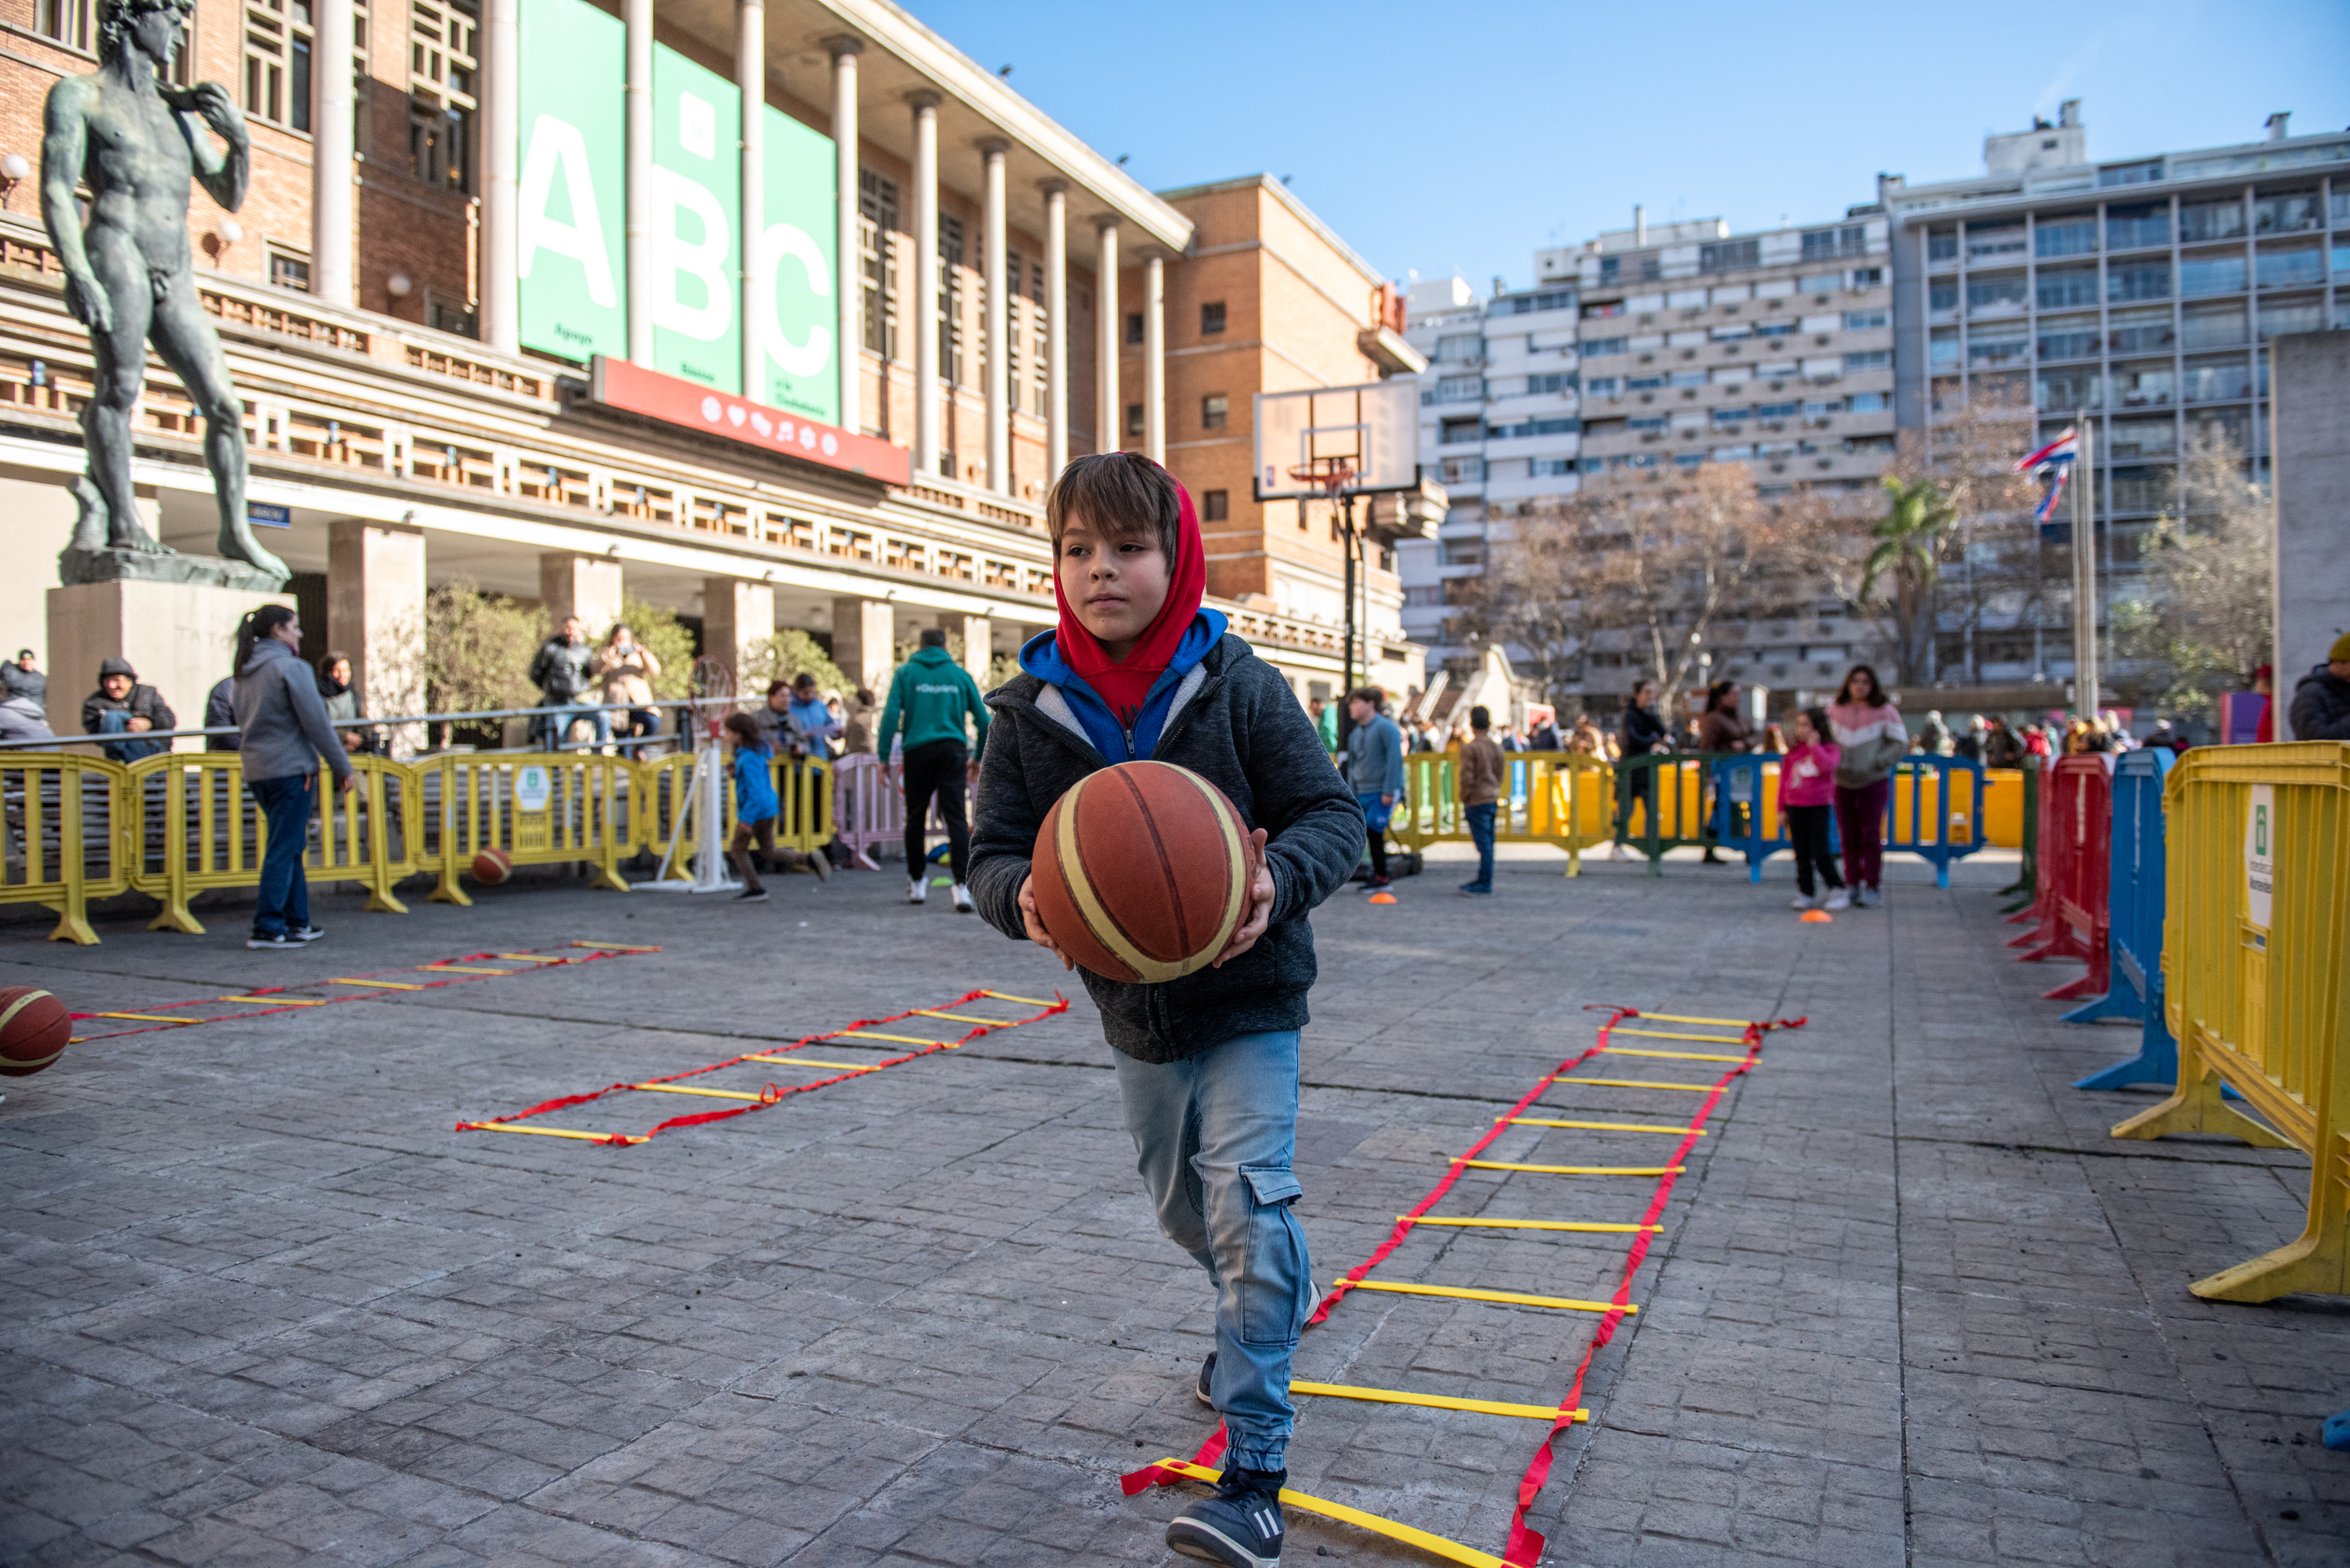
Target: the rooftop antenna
pixel 1640 225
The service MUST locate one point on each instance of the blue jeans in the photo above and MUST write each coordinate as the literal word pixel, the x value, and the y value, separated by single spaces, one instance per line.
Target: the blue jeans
pixel 1480 833
pixel 558 723
pixel 1214 1137
pixel 284 904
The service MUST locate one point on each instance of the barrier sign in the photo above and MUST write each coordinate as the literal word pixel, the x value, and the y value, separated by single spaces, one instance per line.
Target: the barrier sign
pixel 2259 860
pixel 533 786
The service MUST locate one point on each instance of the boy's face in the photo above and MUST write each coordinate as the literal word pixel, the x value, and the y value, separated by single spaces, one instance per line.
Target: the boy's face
pixel 1116 585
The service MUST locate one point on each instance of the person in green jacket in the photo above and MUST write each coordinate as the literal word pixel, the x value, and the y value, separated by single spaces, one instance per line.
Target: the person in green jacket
pixel 931 694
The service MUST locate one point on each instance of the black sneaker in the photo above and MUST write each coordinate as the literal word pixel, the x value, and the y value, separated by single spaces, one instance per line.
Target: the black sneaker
pixel 1240 1527
pixel 1378 885
pixel 279 942
pixel 307 934
pixel 751 895
pixel 1207 1375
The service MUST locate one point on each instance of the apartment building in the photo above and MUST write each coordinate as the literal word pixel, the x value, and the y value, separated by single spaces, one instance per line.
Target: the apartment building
pixel 1501 415
pixel 2140 292
pixel 768 314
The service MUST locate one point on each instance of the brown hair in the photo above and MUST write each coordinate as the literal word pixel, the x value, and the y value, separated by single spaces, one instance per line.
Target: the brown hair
pixel 742 729
pixel 1371 694
pixel 1875 698
pixel 1122 495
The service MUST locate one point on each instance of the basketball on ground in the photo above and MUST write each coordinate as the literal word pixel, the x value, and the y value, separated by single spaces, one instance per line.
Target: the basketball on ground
pixel 1141 872
pixel 33 1030
pixel 491 866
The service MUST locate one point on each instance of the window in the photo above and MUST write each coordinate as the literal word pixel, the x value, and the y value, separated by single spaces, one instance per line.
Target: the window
pixel 1549 467
pixel 1821 284
pixel 2138 280
pixel 2140 332
pixel 1774 329
pixel 67 21
pixel 278 62
pixel 1454 432
pixel 1730 255
pixel 1215 506
pixel 1611 269
pixel 1461 389
pixel 1556 381
pixel 1643 383
pixel 444 47
pixel 2286 215
pixel 288 270
pixel 1460 470
pixel 2289 268
pixel 2075 236
pixel 2131 174
pixel 2069 338
pixel 2145 224
pixel 1873 359
pixel 445 314
pixel 2212 327
pixel 1604 386
pixel 2222 274
pixel 1134 419
pixel 877 203
pixel 1211 318
pixel 1599 345
pixel 2004 346
pixel 2294 316
pixel 2142 438
pixel 1527 303
pixel 1942 348
pixel 1732 416
pixel 1995 291
pixel 1942 245
pixel 1603 312
pixel 1994 243
pixel 1820 245
pixel 1460 348
pixel 2211 221
pixel 1646 423
pixel 1133 329
pixel 1869 403
pixel 1213 409
pixel 1689 379
pixel 2217 377
pixel 1534 428
pixel 1867 277
pixel 1779 411
pixel 2148 383
pixel 1865 320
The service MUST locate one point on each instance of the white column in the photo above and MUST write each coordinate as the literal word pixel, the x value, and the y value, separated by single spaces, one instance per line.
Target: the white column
pixel 375 610
pixel 501 152
pixel 750 81
pixel 637 17
pixel 1057 329
pixel 978 634
pixel 849 198
pixel 1110 418
pixel 1154 360
pixel 923 317
pixel 736 617
pixel 332 185
pixel 864 640
pixel 999 320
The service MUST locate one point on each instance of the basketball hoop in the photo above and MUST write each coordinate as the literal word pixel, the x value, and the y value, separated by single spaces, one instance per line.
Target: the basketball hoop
pixel 1332 476
pixel 714 696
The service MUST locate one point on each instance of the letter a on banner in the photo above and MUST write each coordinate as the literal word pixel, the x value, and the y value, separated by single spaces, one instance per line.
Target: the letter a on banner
pixel 572 265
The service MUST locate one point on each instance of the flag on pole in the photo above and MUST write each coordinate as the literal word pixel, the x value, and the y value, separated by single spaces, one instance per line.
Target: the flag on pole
pixel 2054 460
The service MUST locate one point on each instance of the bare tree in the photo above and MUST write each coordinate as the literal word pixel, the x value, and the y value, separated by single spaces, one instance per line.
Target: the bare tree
pixel 2207 623
pixel 1531 598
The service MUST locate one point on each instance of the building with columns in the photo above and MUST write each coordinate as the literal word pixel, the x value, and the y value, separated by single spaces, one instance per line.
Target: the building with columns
pixel 779 315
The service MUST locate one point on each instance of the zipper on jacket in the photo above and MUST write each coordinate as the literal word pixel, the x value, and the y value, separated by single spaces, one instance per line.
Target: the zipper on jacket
pixel 1129 744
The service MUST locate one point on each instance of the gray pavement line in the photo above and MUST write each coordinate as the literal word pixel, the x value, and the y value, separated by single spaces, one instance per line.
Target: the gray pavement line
pixel 2141 1151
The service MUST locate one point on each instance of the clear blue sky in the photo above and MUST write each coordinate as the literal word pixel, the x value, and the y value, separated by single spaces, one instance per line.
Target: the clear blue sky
pixel 1440 137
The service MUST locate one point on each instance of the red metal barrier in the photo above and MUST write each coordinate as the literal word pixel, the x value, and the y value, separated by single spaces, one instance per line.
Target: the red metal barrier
pixel 2079 919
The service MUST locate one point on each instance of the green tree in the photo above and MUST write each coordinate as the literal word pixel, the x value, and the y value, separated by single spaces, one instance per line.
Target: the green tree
pixel 477 650
pixel 786 656
pixel 2205 623
pixel 1905 561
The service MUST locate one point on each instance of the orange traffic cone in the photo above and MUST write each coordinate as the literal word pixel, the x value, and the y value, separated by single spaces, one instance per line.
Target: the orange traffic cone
pixel 1816 917
pixel 1385 897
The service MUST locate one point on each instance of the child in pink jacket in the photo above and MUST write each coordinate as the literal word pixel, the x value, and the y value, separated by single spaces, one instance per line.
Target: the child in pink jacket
pixel 1807 798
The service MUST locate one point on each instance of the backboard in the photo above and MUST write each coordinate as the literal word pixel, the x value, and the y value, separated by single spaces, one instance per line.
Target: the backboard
pixel 1373 428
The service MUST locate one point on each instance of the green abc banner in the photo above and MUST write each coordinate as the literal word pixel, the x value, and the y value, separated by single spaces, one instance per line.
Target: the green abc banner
pixel 802 362
pixel 693 254
pixel 570 206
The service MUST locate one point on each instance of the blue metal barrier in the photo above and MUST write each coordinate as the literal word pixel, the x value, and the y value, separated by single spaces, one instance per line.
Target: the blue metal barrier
pixel 2134 907
pixel 1738 781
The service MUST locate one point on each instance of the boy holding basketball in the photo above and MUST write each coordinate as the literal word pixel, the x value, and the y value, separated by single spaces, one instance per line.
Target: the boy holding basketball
pixel 1207 1064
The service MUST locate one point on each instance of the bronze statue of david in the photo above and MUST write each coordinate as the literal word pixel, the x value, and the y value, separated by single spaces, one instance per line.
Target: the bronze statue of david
pixel 134 140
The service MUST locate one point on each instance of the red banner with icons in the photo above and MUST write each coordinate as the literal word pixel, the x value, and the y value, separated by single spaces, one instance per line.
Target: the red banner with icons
pixel 632 389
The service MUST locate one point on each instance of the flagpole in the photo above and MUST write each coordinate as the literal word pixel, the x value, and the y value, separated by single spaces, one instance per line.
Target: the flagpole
pixel 2086 687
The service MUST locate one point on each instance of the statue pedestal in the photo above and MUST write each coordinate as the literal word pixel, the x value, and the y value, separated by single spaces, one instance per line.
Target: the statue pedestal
pixel 179 637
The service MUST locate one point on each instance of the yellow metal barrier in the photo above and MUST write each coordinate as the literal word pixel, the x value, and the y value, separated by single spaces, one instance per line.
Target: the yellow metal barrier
pixel 538 808
pixel 69 836
pixel 2256 916
pixel 2003 806
pixel 1558 798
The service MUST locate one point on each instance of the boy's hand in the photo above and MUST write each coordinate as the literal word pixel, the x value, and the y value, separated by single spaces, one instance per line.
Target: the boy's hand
pixel 1259 912
pixel 1037 933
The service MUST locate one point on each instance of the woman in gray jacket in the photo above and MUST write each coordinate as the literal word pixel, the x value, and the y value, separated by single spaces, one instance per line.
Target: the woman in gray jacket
pixel 283 731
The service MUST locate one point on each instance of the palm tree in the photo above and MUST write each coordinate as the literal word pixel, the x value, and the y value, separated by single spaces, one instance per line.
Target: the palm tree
pixel 1908 549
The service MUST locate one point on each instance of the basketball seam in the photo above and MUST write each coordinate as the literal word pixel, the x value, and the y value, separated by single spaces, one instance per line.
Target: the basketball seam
pixel 18 1006
pixel 1079 888
pixel 1228 824
pixel 1166 870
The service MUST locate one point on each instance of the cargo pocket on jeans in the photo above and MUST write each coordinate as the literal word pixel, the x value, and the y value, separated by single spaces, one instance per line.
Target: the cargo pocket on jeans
pixel 1272 1278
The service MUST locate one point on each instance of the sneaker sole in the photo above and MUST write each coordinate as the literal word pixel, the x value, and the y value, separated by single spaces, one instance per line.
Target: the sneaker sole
pixel 1204 1543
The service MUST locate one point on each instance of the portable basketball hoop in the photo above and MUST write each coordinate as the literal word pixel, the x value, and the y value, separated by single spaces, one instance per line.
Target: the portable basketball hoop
pixel 1333 476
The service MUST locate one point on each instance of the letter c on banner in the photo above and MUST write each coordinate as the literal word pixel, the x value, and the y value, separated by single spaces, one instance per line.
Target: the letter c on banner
pixel 704 258
pixel 793 358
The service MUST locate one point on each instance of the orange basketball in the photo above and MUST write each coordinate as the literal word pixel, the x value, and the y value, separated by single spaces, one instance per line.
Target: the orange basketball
pixel 491 866
pixel 1141 872
pixel 33 1030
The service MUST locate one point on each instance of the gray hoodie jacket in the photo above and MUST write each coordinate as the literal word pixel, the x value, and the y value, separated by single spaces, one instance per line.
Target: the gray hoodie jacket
pixel 282 718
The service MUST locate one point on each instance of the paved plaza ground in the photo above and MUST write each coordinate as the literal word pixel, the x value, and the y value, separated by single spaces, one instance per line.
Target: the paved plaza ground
pixel 1910 1304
